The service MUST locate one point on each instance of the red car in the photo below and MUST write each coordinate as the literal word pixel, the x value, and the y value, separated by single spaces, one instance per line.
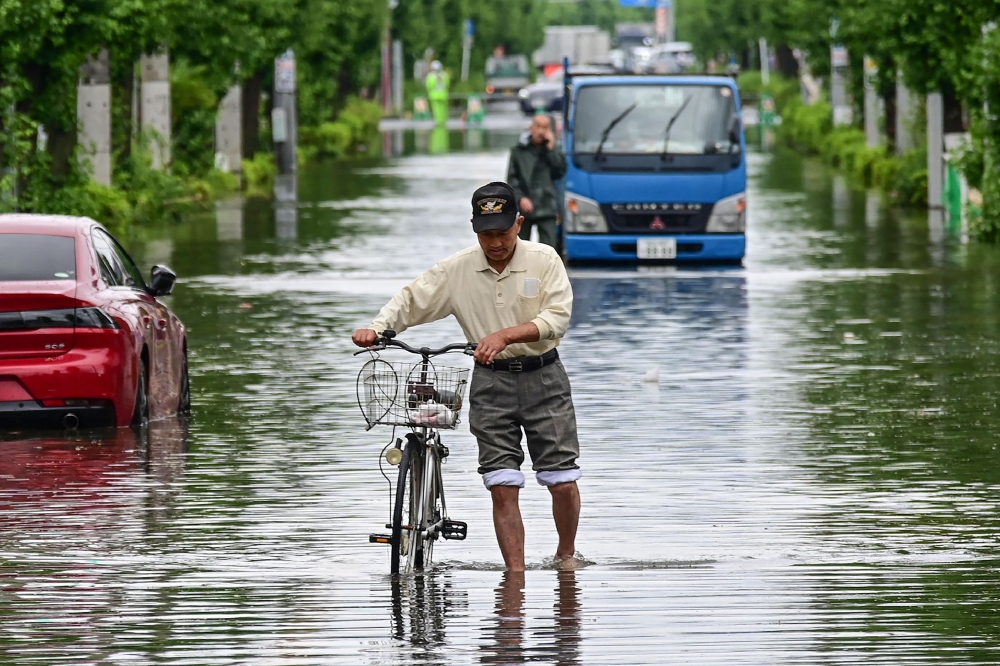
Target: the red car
pixel 84 341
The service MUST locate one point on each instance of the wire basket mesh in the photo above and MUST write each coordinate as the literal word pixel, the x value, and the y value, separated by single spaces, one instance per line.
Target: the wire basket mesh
pixel 411 394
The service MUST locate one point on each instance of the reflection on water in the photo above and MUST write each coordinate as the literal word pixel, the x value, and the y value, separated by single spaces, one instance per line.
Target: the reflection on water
pixel 510 641
pixel 809 477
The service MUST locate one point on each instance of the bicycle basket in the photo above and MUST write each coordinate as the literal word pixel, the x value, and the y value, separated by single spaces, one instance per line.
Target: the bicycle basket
pixel 410 394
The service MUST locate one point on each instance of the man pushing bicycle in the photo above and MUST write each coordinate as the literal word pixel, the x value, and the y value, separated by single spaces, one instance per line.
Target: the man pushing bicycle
pixel 514 299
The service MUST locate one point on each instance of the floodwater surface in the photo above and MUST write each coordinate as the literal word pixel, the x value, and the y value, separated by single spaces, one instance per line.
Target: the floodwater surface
pixel 812 479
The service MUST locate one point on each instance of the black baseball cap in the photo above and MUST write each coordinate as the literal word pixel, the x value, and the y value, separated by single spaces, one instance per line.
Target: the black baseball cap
pixel 494 206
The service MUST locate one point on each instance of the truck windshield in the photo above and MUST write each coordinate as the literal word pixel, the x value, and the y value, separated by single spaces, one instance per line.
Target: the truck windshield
pixel 701 125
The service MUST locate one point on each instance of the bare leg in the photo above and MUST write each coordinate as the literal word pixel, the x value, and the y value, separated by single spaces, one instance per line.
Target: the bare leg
pixel 566 511
pixel 508 525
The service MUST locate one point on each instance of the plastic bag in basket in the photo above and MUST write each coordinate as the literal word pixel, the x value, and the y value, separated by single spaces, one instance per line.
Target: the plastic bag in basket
pixel 433 414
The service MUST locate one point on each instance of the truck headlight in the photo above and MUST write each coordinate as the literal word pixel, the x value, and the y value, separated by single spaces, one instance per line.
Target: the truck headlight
pixel 729 216
pixel 584 216
pixel 523 93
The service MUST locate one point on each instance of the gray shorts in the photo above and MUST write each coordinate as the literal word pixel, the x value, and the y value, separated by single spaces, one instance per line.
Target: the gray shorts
pixel 501 403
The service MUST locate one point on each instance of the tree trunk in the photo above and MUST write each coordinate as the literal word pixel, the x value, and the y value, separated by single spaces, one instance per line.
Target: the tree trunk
pixel 61 148
pixel 786 62
pixel 889 101
pixel 954 118
pixel 122 103
pixel 345 80
pixel 252 89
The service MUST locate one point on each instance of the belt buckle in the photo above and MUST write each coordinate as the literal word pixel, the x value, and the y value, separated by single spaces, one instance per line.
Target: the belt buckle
pixel 515 366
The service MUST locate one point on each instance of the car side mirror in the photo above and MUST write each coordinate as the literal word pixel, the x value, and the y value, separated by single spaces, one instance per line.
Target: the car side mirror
pixel 161 281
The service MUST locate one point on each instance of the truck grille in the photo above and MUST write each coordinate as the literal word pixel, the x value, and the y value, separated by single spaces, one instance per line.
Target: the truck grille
pixel 658 218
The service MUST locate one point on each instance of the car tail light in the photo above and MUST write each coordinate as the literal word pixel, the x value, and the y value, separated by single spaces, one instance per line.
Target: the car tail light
pixel 31 320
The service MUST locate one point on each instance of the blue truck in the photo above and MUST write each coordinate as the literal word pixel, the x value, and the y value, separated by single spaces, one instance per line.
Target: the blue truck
pixel 657 170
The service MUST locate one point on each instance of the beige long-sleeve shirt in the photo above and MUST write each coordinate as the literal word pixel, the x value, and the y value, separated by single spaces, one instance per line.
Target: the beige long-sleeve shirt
pixel 533 287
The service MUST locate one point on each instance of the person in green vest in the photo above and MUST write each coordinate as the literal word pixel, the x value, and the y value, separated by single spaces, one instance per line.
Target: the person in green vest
pixel 437 92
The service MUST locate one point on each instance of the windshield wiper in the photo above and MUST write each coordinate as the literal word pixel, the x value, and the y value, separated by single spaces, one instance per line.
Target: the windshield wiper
pixel 611 126
pixel 670 126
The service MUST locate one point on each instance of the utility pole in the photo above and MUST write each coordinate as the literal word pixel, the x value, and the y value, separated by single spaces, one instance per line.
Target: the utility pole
pixel 387 59
pixel 935 150
pixel 468 30
pixel 872 104
pixel 284 120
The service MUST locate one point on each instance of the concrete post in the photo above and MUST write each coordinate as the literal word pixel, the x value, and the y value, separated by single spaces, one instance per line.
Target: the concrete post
pixel 935 150
pixel 873 110
pixel 284 117
pixel 397 77
pixel 904 116
pixel 842 111
pixel 155 109
pixel 765 61
pixel 93 113
pixel 229 132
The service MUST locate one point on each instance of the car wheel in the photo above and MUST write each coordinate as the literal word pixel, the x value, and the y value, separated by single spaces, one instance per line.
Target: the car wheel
pixel 140 414
pixel 184 404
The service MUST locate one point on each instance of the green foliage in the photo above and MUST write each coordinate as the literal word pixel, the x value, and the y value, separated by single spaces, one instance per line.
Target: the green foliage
pixel 986 226
pixel 784 91
pixel 259 174
pixel 809 129
pixel 194 109
pixel 355 129
pixel 805 127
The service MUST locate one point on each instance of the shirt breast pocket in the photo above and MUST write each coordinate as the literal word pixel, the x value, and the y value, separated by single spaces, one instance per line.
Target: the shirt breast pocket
pixel 529 299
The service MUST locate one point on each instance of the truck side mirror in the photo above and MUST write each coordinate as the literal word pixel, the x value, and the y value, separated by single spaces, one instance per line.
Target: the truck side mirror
pixel 734 130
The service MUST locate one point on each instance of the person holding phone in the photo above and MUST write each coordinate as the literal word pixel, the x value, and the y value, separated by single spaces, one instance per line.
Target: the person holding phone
pixel 536 163
pixel 513 298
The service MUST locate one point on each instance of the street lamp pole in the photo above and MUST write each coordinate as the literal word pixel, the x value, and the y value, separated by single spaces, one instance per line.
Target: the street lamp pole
pixel 387 60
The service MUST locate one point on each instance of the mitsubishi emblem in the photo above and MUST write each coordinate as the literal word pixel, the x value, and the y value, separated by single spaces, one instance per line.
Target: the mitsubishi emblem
pixel 657 223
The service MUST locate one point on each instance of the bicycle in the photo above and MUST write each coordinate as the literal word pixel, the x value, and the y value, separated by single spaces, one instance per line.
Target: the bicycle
pixel 430 401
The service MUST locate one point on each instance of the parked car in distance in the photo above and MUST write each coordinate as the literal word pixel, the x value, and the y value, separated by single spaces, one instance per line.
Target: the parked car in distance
pixel 506 74
pixel 545 94
pixel 84 340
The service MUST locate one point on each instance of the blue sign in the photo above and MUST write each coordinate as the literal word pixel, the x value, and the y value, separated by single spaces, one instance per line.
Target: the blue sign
pixel 469 28
pixel 639 3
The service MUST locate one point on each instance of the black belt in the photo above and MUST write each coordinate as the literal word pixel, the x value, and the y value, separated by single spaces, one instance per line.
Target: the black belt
pixel 523 363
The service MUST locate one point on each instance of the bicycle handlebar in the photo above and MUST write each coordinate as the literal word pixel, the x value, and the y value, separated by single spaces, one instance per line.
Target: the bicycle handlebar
pixel 387 339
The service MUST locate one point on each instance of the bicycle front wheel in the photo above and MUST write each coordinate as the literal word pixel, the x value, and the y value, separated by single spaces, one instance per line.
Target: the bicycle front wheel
pixel 418 507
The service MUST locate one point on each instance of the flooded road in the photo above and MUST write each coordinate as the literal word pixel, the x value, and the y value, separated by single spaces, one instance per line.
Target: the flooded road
pixel 813 479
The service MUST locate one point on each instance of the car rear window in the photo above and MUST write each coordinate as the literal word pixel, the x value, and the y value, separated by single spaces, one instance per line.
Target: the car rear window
pixel 37 257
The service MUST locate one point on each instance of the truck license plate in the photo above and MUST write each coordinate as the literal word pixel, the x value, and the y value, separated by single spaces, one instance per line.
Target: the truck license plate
pixel 656 248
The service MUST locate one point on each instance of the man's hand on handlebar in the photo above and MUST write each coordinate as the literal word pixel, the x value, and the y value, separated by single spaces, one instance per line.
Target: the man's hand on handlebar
pixel 364 337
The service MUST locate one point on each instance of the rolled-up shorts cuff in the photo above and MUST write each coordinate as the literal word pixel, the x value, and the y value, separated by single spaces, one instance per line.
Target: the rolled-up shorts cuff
pixel 557 476
pixel 503 477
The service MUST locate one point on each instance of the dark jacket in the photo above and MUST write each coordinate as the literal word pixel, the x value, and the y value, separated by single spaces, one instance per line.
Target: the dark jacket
pixel 532 172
